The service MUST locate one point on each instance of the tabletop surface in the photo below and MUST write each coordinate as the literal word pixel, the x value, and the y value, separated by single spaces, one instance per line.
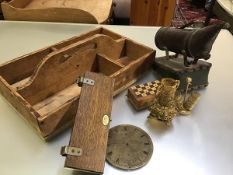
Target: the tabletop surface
pixel 200 144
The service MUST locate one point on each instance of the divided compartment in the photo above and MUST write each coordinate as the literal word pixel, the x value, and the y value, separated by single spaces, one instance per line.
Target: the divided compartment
pixel 132 52
pixel 42 85
pixel 46 100
pixel 24 66
pixel 67 64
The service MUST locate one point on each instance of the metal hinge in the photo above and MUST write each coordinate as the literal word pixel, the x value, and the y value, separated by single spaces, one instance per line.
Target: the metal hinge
pixel 73 151
pixel 82 80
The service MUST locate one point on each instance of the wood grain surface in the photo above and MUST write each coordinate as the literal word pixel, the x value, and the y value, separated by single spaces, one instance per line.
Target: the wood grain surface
pixel 152 12
pixel 89 133
pixel 36 77
pixel 91 11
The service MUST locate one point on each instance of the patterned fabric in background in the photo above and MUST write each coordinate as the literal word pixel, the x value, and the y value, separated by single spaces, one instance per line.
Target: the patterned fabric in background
pixel 187 11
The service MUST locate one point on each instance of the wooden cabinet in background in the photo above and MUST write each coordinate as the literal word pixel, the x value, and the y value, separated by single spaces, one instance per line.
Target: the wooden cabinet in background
pixel 152 12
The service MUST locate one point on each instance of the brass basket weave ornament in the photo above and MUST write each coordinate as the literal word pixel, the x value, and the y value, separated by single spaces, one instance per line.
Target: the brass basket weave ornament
pixel 169 102
pixel 164 106
pixel 167 90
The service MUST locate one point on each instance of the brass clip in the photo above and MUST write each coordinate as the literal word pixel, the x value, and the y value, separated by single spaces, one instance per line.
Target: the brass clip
pixel 106 120
pixel 82 80
pixel 73 151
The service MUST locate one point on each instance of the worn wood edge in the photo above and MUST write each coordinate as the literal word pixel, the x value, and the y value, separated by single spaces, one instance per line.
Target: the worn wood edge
pixel 147 56
pixel 37 56
pixel 19 105
pixel 133 101
pixel 108 32
pixel 57 109
pixel 143 58
pixel 118 91
pixel 65 43
pixel 135 104
pixel 52 128
pixel 150 52
pixel 86 35
pixel 115 51
pixel 50 56
pixel 55 14
pixel 121 40
pixel 109 14
pixel 56 132
pixel 59 45
pixel 111 60
pixel 78 45
pixel 33 59
pixel 82 170
pixel 140 102
pixel 133 67
pixel 142 45
pixel 40 106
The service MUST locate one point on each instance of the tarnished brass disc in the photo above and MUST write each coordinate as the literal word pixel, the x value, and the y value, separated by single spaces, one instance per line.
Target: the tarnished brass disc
pixel 129 147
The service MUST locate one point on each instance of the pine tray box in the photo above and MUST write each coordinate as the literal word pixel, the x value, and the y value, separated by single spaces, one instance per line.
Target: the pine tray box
pixel 42 85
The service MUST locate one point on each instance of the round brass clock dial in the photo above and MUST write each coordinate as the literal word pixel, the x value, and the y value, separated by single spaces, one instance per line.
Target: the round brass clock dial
pixel 129 147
